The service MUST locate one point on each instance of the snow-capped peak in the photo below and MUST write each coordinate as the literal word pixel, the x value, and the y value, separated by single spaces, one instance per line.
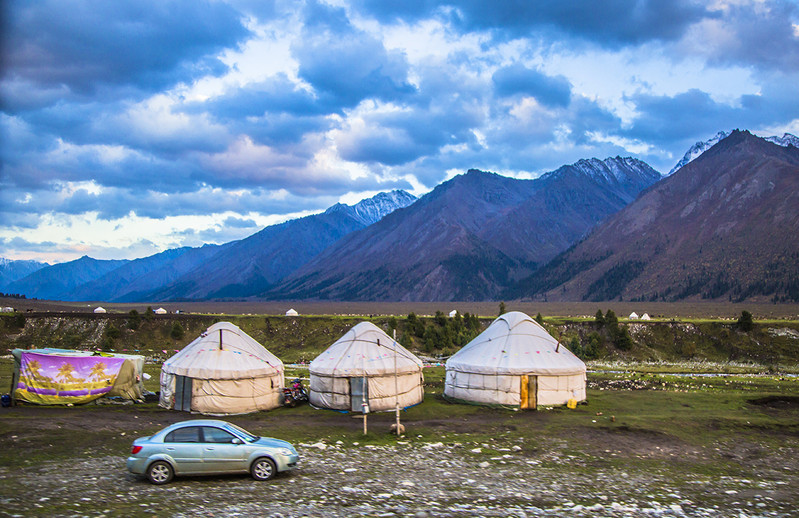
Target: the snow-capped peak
pixel 697 149
pixel 611 170
pixel 372 210
pixel 379 206
pixel 700 147
pixel 785 140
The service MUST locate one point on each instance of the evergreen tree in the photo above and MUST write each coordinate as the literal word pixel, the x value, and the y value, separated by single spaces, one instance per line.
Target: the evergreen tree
pixel 611 320
pixel 134 319
pixel 177 331
pixel 599 319
pixel 745 322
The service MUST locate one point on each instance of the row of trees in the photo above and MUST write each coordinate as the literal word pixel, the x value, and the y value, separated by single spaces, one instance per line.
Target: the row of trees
pixel 13 295
pixel 443 334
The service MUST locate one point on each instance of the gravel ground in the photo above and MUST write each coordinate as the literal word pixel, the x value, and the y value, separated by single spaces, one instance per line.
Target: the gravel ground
pixel 418 480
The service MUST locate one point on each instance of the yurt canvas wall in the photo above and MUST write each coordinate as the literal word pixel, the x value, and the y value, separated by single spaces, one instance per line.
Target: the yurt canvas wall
pixel 516 363
pixel 366 360
pixel 223 371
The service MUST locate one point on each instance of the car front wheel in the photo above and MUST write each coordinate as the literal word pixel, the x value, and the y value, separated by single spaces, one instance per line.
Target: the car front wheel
pixel 160 472
pixel 263 469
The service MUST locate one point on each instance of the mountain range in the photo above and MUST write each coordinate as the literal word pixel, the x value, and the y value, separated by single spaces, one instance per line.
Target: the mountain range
pixel 11 271
pixel 471 236
pixel 714 227
pixel 235 269
pixel 721 227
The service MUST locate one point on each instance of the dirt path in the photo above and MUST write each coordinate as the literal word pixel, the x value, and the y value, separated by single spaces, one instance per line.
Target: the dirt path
pixel 586 472
pixel 432 479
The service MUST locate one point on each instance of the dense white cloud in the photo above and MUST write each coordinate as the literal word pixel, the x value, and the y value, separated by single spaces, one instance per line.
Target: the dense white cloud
pixel 130 127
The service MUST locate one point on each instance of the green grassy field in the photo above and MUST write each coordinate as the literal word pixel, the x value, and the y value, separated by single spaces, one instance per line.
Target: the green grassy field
pixel 698 410
pixel 730 440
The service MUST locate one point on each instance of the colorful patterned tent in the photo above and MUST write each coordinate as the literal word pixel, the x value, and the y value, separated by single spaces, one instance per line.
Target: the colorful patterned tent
pixel 64 376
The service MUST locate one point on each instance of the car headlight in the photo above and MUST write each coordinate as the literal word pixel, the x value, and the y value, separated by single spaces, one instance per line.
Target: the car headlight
pixel 285 451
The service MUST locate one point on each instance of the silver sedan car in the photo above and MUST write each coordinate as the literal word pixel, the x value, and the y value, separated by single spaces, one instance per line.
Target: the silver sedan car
pixel 206 447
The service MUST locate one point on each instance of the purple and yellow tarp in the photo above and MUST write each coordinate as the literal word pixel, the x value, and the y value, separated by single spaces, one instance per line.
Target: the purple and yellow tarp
pixel 57 380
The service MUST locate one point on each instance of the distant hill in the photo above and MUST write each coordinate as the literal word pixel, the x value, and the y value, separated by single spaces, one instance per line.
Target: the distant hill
pixel 132 280
pixel 247 267
pixel 12 270
pixel 59 281
pixel 721 227
pixel 236 269
pixel 471 236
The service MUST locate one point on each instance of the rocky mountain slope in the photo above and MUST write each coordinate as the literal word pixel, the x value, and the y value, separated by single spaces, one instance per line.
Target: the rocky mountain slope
pixel 697 149
pixel 471 236
pixel 722 227
pixel 254 264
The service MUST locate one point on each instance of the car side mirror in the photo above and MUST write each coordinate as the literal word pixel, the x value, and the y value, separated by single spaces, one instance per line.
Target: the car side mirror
pixel 236 440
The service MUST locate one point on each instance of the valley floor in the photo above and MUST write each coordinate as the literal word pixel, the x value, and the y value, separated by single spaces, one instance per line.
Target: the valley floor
pixel 643 445
pixel 665 310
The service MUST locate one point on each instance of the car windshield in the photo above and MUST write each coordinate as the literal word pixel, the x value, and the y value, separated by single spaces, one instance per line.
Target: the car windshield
pixel 244 433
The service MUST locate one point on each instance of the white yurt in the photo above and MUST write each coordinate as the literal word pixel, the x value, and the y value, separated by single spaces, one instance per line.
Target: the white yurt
pixel 223 371
pixel 633 316
pixel 160 311
pixel 292 313
pixel 100 309
pixel 366 365
pixel 646 316
pixel 516 363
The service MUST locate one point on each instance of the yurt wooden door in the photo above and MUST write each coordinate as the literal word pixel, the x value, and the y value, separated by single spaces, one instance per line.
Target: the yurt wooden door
pixel 359 394
pixel 529 392
pixel 183 393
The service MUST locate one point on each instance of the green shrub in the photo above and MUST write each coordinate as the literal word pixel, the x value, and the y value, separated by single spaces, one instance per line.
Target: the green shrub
pixel 177 331
pixel 745 322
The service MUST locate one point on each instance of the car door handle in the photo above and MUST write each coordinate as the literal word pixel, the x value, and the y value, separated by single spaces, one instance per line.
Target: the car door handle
pixel 170 449
pixel 209 449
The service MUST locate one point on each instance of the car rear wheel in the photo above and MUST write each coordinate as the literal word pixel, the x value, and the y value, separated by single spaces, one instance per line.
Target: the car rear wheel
pixel 160 472
pixel 263 469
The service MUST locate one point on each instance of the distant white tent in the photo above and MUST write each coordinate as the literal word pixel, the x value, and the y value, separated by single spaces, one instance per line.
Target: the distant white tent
pixel 6 309
pixel 361 365
pixel 453 313
pixel 646 316
pixel 160 311
pixel 292 313
pixel 515 362
pixel 223 371
pixel 633 316
pixel 100 309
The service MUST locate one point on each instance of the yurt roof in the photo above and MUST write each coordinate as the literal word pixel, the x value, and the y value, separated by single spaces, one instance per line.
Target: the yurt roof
pixel 365 350
pixel 223 351
pixel 515 344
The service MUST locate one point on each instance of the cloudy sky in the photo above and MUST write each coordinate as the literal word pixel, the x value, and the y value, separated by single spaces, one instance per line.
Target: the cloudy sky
pixel 130 127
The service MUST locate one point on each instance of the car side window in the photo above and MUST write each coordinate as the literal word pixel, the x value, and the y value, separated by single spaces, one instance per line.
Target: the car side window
pixel 217 435
pixel 188 434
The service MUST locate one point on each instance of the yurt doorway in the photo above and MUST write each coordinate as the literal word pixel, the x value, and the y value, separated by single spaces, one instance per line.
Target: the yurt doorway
pixel 183 393
pixel 359 393
pixel 529 392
